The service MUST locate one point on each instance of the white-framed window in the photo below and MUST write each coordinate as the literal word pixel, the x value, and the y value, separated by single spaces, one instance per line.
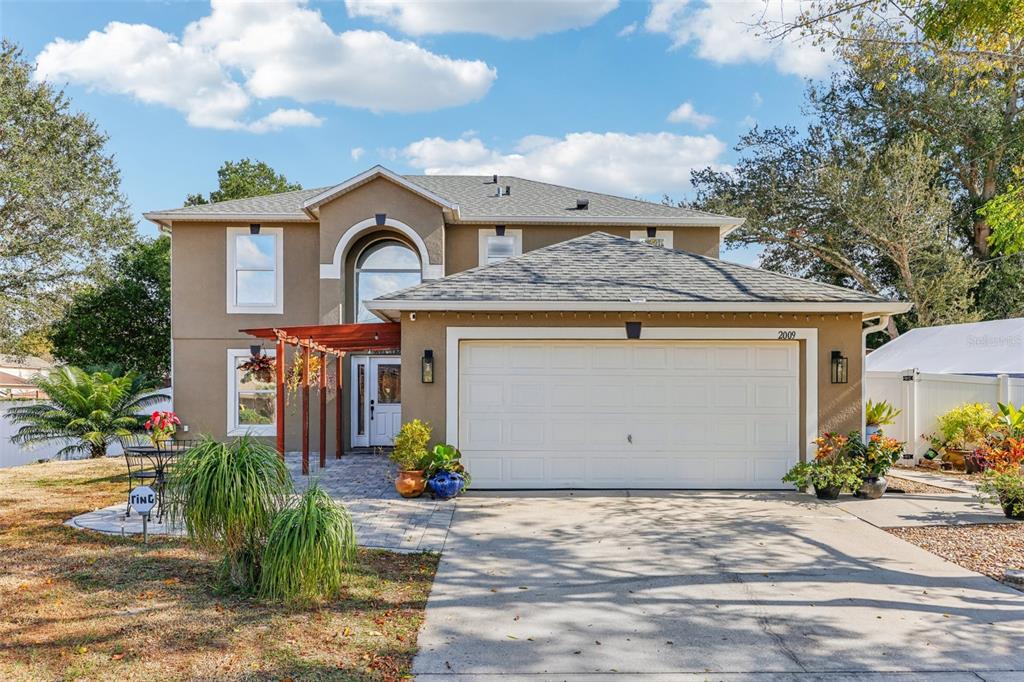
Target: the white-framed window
pixel 255 274
pixel 383 267
pixel 660 238
pixel 495 248
pixel 252 400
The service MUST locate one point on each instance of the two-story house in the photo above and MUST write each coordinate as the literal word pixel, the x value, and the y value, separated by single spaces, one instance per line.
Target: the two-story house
pixel 576 339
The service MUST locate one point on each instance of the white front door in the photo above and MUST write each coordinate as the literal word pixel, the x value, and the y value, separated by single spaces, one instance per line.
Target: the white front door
pixel 629 414
pixel 385 399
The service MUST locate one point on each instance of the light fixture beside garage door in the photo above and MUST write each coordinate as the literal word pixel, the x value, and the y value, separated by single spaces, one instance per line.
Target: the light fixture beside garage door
pixel 840 364
pixel 427 367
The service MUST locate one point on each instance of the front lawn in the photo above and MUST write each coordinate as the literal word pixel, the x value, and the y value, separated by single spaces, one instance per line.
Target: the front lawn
pixel 80 605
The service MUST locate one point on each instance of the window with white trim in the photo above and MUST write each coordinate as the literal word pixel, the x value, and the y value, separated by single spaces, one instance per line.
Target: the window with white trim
pixel 495 247
pixel 252 398
pixel 255 277
pixel 660 238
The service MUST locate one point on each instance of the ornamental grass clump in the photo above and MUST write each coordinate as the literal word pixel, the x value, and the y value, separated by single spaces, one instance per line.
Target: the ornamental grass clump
pixel 228 495
pixel 310 547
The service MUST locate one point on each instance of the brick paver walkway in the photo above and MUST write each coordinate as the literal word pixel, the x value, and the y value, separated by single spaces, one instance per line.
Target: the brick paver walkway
pixel 364 483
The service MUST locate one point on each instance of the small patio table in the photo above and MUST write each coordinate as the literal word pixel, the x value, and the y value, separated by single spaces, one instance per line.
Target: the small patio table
pixel 161 457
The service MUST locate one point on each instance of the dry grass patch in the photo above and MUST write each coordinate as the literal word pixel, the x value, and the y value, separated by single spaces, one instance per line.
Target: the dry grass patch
pixel 80 605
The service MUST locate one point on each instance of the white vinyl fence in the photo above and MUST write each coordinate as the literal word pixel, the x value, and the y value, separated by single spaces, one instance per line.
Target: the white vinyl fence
pixel 924 397
pixel 13 455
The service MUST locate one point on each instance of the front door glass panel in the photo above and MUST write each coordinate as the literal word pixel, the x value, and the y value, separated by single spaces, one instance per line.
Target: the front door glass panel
pixel 389 384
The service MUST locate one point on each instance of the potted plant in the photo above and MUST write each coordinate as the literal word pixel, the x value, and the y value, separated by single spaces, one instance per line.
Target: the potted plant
pixel 411 456
pixel 961 431
pixel 877 415
pixel 831 471
pixel 161 426
pixel 446 475
pixel 1003 483
pixel 877 457
pixel 261 367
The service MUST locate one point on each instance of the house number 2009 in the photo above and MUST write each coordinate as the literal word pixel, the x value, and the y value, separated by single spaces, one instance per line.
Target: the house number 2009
pixel 787 335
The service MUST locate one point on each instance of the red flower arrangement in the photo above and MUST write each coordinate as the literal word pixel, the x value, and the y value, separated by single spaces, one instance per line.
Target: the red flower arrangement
pixel 161 425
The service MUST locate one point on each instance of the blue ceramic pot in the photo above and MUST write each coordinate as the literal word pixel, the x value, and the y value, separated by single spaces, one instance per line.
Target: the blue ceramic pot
pixel 446 484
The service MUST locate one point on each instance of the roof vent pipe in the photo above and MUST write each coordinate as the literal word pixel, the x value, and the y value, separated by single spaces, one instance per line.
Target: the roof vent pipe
pixel 494 179
pixel 508 190
pixel 582 204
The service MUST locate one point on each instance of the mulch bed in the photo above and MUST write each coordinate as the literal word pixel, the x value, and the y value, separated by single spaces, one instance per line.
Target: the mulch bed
pixel 988 549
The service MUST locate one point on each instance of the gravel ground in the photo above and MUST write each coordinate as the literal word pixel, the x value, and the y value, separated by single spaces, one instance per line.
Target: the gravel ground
pixel 905 485
pixel 988 549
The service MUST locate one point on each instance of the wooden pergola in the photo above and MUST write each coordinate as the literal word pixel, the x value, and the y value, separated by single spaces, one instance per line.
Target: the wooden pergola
pixel 324 339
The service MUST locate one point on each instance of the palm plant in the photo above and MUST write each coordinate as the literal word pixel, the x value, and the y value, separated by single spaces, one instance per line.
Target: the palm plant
pixel 86 410
pixel 310 546
pixel 228 495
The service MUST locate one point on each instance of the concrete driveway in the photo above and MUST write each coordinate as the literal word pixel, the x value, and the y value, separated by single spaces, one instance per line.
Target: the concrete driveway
pixel 715 585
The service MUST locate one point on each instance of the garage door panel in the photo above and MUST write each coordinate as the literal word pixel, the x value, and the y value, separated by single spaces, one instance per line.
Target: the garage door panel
pixel 561 414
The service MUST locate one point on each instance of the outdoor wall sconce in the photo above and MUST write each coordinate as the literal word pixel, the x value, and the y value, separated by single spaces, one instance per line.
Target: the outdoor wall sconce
pixel 427 367
pixel 255 351
pixel 499 230
pixel 254 228
pixel 632 330
pixel 840 368
pixel 652 232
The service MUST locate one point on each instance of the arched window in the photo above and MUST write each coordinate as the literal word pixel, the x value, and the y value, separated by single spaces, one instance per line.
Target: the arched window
pixel 381 268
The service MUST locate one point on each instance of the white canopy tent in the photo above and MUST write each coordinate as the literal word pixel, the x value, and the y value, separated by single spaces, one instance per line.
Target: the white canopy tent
pixel 979 348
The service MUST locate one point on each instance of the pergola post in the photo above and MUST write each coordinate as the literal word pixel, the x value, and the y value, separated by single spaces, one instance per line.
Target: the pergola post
pixel 305 410
pixel 338 406
pixel 279 411
pixel 323 409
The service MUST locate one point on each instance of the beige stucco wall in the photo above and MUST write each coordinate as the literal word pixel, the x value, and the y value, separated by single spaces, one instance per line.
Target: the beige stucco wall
pixel 838 404
pixel 462 242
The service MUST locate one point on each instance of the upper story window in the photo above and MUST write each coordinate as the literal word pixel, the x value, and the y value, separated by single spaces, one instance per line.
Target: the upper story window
pixel 383 267
pixel 660 238
pixel 255 276
pixel 495 248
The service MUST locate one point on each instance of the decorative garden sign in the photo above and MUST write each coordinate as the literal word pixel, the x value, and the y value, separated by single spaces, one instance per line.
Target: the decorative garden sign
pixel 142 499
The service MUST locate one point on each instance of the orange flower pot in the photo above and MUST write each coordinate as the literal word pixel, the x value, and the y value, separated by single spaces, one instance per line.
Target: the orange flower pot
pixel 410 483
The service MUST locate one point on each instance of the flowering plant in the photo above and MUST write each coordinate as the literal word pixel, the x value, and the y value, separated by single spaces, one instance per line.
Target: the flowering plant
pixel 161 425
pixel 833 466
pixel 880 454
pixel 260 366
pixel 294 379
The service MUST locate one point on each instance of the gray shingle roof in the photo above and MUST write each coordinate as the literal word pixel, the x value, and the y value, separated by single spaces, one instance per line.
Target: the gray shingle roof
pixel 600 267
pixel 282 204
pixel 476 197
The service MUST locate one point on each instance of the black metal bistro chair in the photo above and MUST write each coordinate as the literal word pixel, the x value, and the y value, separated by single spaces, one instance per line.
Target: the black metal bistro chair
pixel 142 470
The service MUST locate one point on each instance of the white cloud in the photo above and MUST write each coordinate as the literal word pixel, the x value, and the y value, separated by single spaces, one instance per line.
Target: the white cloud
pixel 627 30
pixel 503 19
pixel 243 52
pixel 748 122
pixel 726 33
pixel 646 164
pixel 757 99
pixel 685 113
pixel 357 153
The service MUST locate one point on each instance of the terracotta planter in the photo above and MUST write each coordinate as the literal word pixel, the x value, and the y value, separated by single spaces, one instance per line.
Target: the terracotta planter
pixel 958 458
pixel 410 483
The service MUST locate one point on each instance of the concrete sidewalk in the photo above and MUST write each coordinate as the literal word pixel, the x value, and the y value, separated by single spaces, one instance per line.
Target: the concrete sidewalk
pixel 708 586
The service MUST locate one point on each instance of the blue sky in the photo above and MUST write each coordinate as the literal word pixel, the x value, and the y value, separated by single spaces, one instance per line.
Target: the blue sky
pixel 581 94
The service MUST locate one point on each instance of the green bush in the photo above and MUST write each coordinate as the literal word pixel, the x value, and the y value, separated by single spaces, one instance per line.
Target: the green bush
pixel 310 546
pixel 228 495
pixel 1005 488
pixel 837 463
pixel 965 425
pixel 410 451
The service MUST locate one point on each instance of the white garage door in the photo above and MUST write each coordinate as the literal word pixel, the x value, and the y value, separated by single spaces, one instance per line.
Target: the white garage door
pixel 636 414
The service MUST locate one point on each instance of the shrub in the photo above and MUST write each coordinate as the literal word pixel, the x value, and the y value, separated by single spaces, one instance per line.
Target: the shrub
pixel 227 495
pixel 881 413
pixel 410 452
pixel 965 425
pixel 1005 488
pixel 87 411
pixel 310 546
pixel 1011 419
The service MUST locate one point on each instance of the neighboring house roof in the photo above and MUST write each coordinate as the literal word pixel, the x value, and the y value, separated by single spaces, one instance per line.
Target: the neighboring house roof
pixel 10 380
pixel 991 348
pixel 599 271
pixel 24 362
pixel 464 198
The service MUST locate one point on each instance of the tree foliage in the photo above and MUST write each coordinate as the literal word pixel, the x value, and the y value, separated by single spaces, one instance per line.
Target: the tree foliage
pixel 243 179
pixel 62 215
pixel 86 411
pixel 125 319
